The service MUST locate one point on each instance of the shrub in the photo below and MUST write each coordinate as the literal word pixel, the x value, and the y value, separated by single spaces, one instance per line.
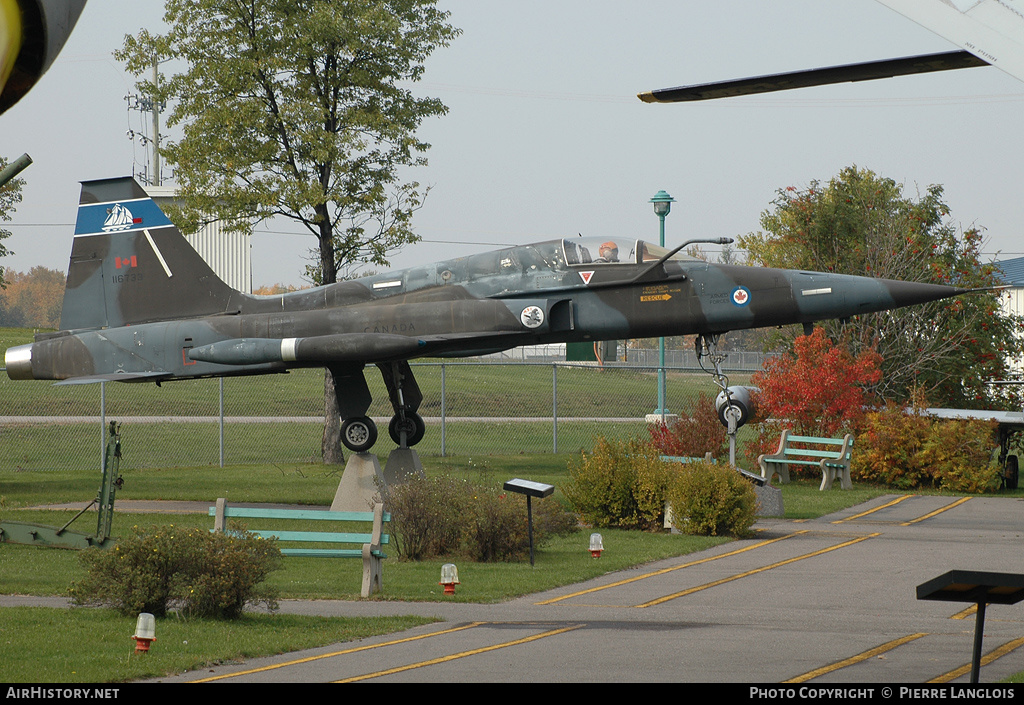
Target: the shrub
pixel 909 450
pixel 428 516
pixel 958 454
pixel 697 432
pixel 888 448
pixel 619 484
pixel 202 574
pixel 444 516
pixel 711 500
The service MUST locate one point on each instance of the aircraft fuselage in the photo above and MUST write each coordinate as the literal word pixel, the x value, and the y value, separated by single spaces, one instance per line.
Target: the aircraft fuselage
pixel 518 296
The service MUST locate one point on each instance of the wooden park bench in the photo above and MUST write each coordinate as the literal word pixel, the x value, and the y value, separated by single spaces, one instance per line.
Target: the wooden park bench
pixel 805 450
pixel 709 458
pixel 369 543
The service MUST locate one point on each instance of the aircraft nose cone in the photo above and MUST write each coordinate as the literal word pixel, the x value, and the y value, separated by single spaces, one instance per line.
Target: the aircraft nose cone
pixel 910 293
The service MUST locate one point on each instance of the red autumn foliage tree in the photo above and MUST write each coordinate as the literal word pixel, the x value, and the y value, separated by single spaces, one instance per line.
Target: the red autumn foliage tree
pixel 819 390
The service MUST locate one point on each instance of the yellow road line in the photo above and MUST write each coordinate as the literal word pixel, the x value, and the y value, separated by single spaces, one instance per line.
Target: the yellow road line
pixel 965 613
pixel 663 571
pixel 929 515
pixel 755 571
pixel 870 653
pixel 871 511
pixel 985 660
pixel 461 654
pixel 338 653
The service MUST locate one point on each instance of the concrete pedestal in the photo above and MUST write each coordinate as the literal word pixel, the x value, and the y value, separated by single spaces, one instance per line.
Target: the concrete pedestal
pixel 359 484
pixel 769 501
pixel 402 462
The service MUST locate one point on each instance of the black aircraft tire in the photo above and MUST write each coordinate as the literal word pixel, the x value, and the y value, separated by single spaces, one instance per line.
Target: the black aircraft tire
pixel 414 428
pixel 1011 472
pixel 358 433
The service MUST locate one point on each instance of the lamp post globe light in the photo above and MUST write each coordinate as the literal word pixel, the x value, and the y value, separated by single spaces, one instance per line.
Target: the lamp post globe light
pixel 662 206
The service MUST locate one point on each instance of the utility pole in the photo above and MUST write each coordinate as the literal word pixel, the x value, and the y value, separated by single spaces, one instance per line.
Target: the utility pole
pixel 154 108
pixel 156 180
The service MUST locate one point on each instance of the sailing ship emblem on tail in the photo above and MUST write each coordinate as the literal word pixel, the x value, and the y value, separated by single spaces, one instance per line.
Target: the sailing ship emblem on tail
pixel 118 218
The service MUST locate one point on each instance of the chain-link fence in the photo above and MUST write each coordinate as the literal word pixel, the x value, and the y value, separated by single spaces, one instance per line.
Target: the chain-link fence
pixel 483 407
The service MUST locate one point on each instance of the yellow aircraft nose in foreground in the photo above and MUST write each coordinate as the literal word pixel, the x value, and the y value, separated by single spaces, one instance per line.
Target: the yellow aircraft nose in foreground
pixel 32 33
pixel 10 38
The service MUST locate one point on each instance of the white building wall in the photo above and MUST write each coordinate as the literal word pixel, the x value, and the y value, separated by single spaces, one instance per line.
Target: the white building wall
pixel 229 254
pixel 1012 302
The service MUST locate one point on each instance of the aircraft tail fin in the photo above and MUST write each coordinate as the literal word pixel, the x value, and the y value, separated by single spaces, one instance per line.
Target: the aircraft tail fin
pixel 129 264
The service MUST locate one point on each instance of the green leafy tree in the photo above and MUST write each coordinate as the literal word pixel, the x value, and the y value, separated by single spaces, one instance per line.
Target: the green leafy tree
pixel 862 223
pixel 10 197
pixel 298 109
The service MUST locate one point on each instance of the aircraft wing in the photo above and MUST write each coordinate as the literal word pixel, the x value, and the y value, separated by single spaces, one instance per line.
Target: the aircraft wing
pixel 117 377
pixel 1003 417
pixel 866 71
pixel 989 32
pixel 992 30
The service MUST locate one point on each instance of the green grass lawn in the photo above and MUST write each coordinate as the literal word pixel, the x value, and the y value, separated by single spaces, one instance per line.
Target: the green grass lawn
pixel 28 570
pixel 48 645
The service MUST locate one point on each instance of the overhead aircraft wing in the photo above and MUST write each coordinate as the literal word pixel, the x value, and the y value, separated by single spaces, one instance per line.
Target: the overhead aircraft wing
pixel 845 73
pixel 989 32
pixel 992 30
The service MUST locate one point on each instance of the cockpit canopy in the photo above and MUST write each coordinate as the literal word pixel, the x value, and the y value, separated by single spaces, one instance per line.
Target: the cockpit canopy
pixel 593 250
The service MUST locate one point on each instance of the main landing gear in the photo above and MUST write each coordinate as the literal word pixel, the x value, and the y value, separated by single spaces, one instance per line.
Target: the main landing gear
pixel 358 431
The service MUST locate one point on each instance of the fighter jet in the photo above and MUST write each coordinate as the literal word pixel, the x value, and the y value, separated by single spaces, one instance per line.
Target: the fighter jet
pixel 140 305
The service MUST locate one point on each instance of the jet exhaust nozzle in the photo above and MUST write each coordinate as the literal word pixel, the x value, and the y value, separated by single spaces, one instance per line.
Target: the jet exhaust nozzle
pixel 18 361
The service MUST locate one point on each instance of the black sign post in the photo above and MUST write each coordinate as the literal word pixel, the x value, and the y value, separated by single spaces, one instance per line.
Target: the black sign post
pixel 530 489
pixel 979 587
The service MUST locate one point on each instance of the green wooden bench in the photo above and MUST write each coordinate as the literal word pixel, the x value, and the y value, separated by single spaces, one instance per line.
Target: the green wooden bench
pixel 369 543
pixel 805 450
pixel 709 458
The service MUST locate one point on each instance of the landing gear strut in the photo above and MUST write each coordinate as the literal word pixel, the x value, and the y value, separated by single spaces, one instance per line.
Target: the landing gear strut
pixel 406 427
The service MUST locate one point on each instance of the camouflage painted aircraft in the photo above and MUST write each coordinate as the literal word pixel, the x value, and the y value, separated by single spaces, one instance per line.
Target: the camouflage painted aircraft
pixel 141 305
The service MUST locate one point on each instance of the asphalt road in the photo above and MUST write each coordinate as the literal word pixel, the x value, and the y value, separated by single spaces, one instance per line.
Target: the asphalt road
pixel 828 601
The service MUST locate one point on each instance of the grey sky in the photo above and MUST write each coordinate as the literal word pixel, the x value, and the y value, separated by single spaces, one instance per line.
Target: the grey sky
pixel 545 136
